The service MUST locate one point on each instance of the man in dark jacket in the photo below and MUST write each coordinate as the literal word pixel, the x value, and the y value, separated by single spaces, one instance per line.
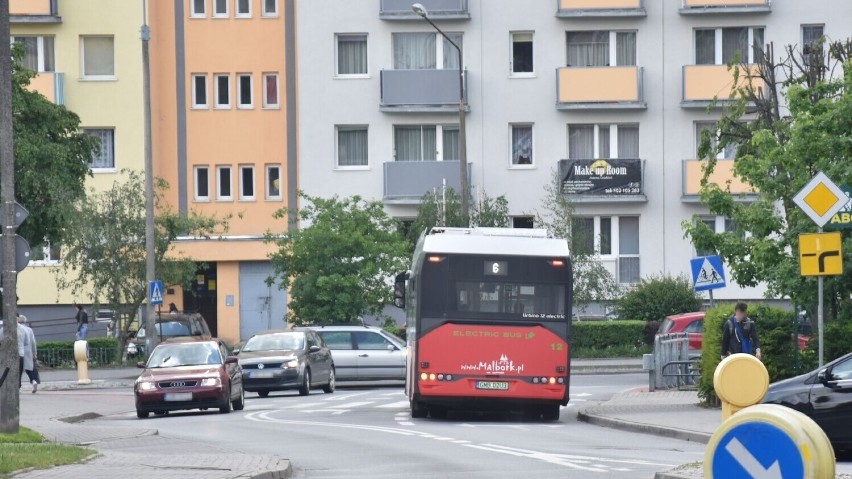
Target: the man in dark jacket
pixel 740 334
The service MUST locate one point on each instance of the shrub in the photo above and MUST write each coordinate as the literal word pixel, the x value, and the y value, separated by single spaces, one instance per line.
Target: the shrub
pixel 657 297
pixel 711 350
pixel 606 334
pixel 61 353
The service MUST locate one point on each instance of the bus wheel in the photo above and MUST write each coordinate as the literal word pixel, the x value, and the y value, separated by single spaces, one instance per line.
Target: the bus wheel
pixel 550 413
pixel 418 411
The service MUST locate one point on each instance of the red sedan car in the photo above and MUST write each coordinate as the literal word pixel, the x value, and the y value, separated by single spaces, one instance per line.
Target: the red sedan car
pixel 693 324
pixel 189 373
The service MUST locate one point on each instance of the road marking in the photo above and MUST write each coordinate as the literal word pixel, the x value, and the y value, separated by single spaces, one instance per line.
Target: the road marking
pixel 344 397
pixel 352 405
pixel 334 412
pixel 397 404
pixel 750 463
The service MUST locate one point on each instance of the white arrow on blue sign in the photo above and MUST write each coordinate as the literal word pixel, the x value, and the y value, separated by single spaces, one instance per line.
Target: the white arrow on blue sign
pixel 707 273
pixel 757 450
pixel 155 292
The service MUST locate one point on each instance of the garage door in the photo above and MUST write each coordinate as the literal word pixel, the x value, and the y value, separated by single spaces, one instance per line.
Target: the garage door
pixel 261 307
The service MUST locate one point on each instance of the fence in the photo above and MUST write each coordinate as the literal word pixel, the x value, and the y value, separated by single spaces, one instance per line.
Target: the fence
pixel 64 357
pixel 673 364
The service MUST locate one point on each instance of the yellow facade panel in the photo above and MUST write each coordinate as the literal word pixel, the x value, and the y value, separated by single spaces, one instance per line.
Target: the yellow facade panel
pixel 722 174
pixel 598 4
pixel 598 84
pixel 706 82
pixel 724 3
pixel 29 7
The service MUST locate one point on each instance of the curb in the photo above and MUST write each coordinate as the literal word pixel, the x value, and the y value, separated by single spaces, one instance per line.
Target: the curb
pixel 671 475
pixel 682 434
pixel 605 370
pixel 277 474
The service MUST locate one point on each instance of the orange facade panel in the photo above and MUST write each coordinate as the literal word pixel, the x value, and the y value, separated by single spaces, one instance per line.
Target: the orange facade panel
pixel 599 4
pixel 599 85
pixel 48 84
pixel 724 3
pixel 31 7
pixel 703 83
pixel 723 173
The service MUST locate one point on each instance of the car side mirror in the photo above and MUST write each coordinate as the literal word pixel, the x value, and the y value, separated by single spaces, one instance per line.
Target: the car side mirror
pixel 236 351
pixel 314 349
pixel 391 347
pixel 140 365
pixel 231 360
pixel 824 375
pixel 399 289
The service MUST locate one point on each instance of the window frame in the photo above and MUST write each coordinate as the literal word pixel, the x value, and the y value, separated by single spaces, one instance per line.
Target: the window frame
pixel 267 195
pixel 47 258
pixel 40 51
pixel 512 72
pixel 439 138
pixel 242 185
pixel 193 13
pixel 346 127
pixel 521 166
pixel 612 47
pixel 107 169
pixel 239 81
pixel 195 104
pixel 216 104
pixel 237 13
pixel 277 104
pixel 337 73
pixel 195 171
pixel 83 75
pixel 219 183
pixel 718 48
pixel 220 15
pixel 613 140
pixel 805 46
pixel 440 43
pixel 266 13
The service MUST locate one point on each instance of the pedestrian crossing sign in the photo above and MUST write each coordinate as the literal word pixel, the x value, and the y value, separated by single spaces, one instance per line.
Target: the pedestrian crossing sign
pixel 708 273
pixel 155 292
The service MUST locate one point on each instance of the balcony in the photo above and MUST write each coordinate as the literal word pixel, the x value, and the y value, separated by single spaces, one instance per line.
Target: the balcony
pixel 600 8
pixel 34 11
pixel 51 85
pixel 603 181
pixel 420 91
pixel 723 175
pixel 704 84
pixel 438 9
pixel 705 7
pixel 599 88
pixel 407 181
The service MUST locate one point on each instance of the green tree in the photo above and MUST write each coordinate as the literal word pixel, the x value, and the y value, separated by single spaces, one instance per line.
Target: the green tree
pixel 659 296
pixel 105 250
pixel 444 209
pixel 340 264
pixel 52 158
pixel 779 149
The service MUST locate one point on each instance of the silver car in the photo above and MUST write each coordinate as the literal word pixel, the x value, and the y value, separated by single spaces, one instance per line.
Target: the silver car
pixel 364 352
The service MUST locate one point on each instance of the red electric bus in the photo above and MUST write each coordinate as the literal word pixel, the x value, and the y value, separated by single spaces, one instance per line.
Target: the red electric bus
pixel 489 320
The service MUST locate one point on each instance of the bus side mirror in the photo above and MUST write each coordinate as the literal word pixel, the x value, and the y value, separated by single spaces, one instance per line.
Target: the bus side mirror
pixel 399 289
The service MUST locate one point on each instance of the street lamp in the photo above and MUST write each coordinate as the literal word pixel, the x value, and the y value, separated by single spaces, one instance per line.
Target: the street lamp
pixel 465 186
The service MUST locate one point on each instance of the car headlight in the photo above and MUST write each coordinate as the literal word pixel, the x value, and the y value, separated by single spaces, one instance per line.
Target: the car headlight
pixel 146 386
pixel 293 363
pixel 211 382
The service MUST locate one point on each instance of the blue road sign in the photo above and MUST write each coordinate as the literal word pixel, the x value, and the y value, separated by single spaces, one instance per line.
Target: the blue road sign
pixel 757 450
pixel 155 292
pixel 707 273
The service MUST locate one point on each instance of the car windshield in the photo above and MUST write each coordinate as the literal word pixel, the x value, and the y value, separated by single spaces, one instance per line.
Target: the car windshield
pixel 184 354
pixel 173 328
pixel 273 342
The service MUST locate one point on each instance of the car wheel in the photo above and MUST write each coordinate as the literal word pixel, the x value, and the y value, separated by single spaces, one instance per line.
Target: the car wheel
pixel 418 411
pixel 227 407
pixel 240 403
pixel 550 413
pixel 142 414
pixel 161 413
pixel 329 388
pixel 263 394
pixel 305 388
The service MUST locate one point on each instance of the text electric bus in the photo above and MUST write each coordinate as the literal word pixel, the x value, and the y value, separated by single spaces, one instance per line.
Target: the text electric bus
pixel 489 320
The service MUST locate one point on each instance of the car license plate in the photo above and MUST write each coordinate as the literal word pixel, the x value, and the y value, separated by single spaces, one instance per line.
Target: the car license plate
pixel 261 374
pixel 178 397
pixel 498 385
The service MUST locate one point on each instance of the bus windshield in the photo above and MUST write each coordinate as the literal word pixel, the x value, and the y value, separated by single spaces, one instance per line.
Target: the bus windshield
pixel 539 301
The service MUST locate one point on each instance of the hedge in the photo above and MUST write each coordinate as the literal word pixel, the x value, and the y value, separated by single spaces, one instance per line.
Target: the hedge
pixel 61 353
pixel 606 334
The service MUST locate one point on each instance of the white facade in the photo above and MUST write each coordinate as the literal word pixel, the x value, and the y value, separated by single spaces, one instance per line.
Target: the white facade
pixel 665 42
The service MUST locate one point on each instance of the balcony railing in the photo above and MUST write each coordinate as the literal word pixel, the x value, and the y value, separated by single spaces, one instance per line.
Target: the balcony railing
pixel 610 88
pixel 703 84
pixel 438 9
pixel 420 90
pixel 34 11
pixel 407 181
pixel 723 175
pixel 51 85
pixel 600 8
pixel 703 7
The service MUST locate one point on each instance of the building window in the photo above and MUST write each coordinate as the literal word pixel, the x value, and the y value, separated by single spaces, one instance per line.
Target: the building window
pixel 601 49
pixel 243 8
pixel 425 51
pixel 246 183
pixel 613 238
pixel 351 55
pixel 223 93
pixel 48 252
pixel 729 152
pixel 220 8
pixel 583 235
pixel 38 53
pixel 223 183
pixel 720 46
pixel 270 90
pixel 522 144
pixel 273 182
pixel 244 93
pixel 426 142
pixel 199 91
pixel 812 43
pixel 199 8
pixel 202 183
pixel 590 142
pixel 352 146
pixel 527 222
pixel 628 249
pixel 98 57
pixel 270 8
pixel 105 158
pixel 522 53
pixel 719 225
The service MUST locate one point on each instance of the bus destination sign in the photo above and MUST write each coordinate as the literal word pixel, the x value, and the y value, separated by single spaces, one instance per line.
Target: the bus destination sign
pixel 496 268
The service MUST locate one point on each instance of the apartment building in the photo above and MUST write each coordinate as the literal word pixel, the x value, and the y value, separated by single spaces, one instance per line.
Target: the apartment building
pixel 610 95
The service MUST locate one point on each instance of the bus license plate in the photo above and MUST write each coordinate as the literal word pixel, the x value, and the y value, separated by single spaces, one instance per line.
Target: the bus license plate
pixel 499 385
pixel 178 397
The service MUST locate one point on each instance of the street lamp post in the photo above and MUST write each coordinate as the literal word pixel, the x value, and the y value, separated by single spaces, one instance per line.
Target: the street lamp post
pixel 145 35
pixel 465 185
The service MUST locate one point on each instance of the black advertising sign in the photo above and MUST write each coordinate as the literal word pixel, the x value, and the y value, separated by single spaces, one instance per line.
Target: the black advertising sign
pixel 601 177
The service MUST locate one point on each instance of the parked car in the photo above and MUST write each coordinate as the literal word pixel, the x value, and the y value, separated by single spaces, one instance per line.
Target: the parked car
pixel 364 352
pixel 170 325
pixel 277 360
pixel 189 373
pixel 693 324
pixel 824 395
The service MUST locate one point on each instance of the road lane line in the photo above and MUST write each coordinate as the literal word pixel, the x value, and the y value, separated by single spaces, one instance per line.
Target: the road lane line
pixel 397 404
pixel 352 405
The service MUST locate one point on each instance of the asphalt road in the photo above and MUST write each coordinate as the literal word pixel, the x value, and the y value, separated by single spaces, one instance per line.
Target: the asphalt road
pixel 366 431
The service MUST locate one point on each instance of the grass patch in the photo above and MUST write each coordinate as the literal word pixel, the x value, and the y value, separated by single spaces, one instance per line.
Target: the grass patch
pixel 27 450
pixel 24 435
pixel 612 352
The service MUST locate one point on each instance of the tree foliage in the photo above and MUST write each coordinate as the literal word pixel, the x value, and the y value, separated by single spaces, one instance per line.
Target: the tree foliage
pixel 656 297
pixel 51 158
pixel 104 251
pixel 444 209
pixel 340 264
pixel 781 145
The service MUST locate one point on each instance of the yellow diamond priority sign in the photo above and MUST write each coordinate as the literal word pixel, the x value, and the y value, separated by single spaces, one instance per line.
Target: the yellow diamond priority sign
pixel 820 199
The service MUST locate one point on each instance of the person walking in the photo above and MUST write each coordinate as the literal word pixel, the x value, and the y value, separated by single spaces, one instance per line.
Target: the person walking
pixel 82 323
pixel 30 365
pixel 740 334
pixel 23 347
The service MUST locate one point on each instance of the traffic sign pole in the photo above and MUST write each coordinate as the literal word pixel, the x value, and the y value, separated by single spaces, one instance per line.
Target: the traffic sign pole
pixel 819 316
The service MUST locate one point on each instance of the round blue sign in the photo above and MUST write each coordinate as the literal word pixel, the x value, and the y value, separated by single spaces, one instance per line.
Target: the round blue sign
pixel 757 449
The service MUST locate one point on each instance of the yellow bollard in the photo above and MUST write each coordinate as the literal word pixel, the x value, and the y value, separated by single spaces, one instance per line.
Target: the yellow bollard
pixel 740 381
pixel 81 355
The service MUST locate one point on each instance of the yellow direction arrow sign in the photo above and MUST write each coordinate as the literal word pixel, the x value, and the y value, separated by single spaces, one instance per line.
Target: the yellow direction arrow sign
pixel 820 254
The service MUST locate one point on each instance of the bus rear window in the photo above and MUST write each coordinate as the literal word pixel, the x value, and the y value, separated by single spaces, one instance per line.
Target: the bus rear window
pixel 536 301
